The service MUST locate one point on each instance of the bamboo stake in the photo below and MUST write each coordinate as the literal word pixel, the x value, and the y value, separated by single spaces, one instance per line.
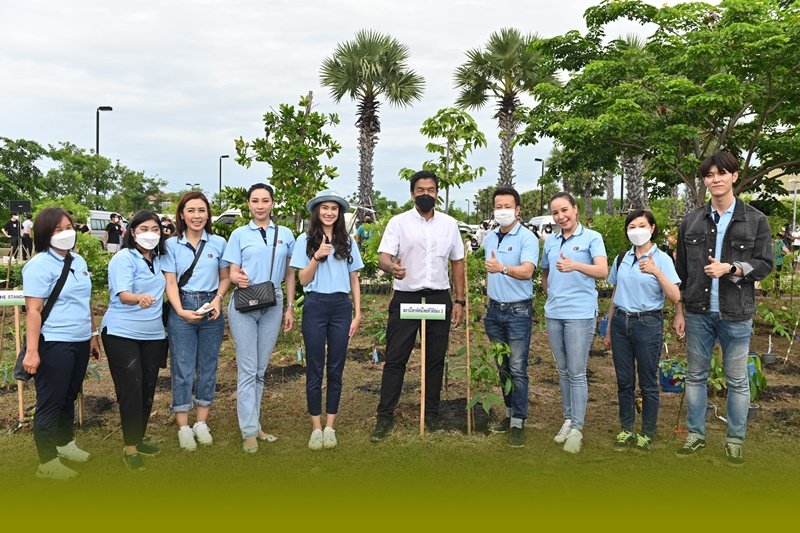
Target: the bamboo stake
pixel 467 326
pixel 3 321
pixel 791 342
pixel 20 403
pixel 422 380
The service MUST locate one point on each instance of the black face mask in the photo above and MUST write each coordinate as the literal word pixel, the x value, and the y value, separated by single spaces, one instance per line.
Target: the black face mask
pixel 425 202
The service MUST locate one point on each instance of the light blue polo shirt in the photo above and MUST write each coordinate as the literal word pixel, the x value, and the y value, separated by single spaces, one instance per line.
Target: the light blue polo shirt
pixel 722 227
pixel 253 254
pixel 180 255
pixel 128 271
pixel 331 276
pixel 518 246
pixel 571 294
pixel 637 291
pixel 69 318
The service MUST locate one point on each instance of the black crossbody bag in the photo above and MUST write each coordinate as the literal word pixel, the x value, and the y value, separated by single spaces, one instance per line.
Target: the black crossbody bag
pixel 184 279
pixel 19 371
pixel 260 295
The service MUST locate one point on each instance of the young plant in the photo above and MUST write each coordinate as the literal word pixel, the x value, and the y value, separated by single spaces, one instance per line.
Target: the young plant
pixel 485 376
pixel 758 381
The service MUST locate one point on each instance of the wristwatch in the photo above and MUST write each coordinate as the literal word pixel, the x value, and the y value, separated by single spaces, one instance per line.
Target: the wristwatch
pixel 732 271
pixel 462 303
pixel 505 270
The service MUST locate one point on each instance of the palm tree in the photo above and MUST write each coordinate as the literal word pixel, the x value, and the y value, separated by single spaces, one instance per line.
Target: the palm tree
pixel 366 68
pixel 507 67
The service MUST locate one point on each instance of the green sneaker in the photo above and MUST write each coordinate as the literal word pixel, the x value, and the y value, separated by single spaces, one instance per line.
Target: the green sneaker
pixel 623 440
pixel 733 453
pixel 643 443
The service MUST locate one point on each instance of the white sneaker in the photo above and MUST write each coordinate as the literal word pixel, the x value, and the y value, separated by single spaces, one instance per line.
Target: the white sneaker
pixel 73 453
pixel 202 434
pixel 563 433
pixel 186 439
pixel 55 470
pixel 329 438
pixel 574 440
pixel 315 442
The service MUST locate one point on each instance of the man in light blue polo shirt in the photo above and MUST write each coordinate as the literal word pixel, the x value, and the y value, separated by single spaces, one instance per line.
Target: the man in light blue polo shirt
pixel 511 255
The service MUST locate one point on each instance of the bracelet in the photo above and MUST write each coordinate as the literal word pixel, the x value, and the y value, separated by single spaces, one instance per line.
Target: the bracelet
pixel 95 333
pixel 314 257
pixel 462 303
pixel 291 304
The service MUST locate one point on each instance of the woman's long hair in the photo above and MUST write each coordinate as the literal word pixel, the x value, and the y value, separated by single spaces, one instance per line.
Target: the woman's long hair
pixel 341 239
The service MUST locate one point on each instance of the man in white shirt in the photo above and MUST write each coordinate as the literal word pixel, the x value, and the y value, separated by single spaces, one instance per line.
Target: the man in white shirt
pixel 415 249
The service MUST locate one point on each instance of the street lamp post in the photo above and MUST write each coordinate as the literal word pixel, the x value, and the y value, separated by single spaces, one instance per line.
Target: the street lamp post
pixel 97 127
pixel 220 171
pixel 541 186
pixel 192 185
pixel 468 213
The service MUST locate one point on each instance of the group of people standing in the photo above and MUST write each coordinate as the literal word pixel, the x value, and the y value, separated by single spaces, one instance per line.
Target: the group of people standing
pixel 722 249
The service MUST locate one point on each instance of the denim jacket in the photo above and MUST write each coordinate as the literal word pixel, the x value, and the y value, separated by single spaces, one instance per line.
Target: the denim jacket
pixel 747 244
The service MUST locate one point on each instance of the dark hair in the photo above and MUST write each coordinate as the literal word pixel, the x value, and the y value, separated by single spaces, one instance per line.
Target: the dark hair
pixel 112 216
pixel 186 197
pixel 651 219
pixel 256 186
pixel 507 191
pixel 563 194
pixel 724 161
pixel 342 247
pixel 138 218
pixel 45 224
pixel 424 175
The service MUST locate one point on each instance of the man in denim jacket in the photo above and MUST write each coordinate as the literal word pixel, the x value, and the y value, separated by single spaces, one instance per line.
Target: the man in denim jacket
pixel 724 247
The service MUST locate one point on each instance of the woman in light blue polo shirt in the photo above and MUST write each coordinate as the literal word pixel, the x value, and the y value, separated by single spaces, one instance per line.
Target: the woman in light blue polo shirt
pixel 643 276
pixel 133 331
pixel 250 253
pixel 328 262
pixel 571 262
pixel 196 324
pixel 57 351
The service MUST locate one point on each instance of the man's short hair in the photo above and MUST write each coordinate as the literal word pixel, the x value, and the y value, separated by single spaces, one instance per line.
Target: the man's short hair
pixel 507 191
pixel 724 161
pixel 424 175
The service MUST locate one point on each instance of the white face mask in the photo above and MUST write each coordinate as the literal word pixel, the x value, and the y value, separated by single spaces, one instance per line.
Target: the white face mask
pixel 148 240
pixel 639 236
pixel 63 240
pixel 505 217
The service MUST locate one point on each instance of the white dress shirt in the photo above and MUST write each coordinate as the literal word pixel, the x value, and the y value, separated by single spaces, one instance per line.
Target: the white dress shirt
pixel 424 248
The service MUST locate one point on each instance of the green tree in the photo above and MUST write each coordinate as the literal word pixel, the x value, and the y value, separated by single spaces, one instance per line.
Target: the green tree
pixel 460 135
pixel 294 140
pixel 507 67
pixel 81 174
pixel 20 178
pixel 372 66
pixel 135 191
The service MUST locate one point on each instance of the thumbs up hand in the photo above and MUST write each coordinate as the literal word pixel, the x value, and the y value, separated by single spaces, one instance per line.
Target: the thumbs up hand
pixel 715 269
pixel 566 264
pixel 324 249
pixel 493 266
pixel 398 271
pixel 647 265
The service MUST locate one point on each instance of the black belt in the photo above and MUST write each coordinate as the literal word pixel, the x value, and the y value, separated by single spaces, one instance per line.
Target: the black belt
pixel 626 314
pixel 503 305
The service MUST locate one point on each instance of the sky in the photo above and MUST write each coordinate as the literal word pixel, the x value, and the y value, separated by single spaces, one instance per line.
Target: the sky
pixel 186 78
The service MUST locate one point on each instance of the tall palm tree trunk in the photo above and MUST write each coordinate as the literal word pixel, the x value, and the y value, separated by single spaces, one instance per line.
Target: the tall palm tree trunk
pixel 633 172
pixel 368 128
pixel 609 177
pixel 508 133
pixel 586 194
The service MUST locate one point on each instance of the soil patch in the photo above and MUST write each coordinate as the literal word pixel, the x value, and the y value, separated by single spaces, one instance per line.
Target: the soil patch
pixel 284 374
pixel 780 392
pixel 453 416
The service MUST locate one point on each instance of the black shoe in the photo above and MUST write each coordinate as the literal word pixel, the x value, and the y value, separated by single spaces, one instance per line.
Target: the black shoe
pixel 134 462
pixel 516 439
pixel 382 429
pixel 148 450
pixel 692 445
pixel 733 454
pixel 432 424
pixel 501 427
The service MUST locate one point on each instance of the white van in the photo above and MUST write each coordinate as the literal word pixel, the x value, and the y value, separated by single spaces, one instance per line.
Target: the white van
pixel 540 222
pixel 98 220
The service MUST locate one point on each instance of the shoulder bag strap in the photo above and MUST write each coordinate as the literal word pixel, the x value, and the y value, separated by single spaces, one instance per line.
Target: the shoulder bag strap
pixel 274 247
pixel 186 276
pixel 51 300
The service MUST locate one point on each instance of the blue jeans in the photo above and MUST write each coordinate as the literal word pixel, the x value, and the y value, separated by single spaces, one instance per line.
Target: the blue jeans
pixel 702 331
pixel 510 323
pixel 194 350
pixel 636 348
pixel 570 341
pixel 326 320
pixel 254 334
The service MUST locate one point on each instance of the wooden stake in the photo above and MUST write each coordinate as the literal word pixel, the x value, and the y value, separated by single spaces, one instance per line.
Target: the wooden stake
pixel 422 380
pixel 3 321
pixel 80 408
pixel 20 402
pixel 467 327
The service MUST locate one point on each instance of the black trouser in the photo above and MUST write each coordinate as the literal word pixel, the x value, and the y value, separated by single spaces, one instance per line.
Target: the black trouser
pixel 134 367
pixel 400 338
pixel 58 382
pixel 27 246
pixel 14 247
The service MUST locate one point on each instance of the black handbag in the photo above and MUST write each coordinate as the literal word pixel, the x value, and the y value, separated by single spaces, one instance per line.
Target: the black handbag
pixel 19 372
pixel 260 295
pixel 184 279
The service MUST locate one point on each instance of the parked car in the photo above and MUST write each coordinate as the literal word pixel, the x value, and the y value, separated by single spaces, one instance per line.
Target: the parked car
pixel 98 220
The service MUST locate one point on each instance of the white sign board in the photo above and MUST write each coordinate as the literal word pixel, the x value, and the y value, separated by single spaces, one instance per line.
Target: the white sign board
pixel 423 311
